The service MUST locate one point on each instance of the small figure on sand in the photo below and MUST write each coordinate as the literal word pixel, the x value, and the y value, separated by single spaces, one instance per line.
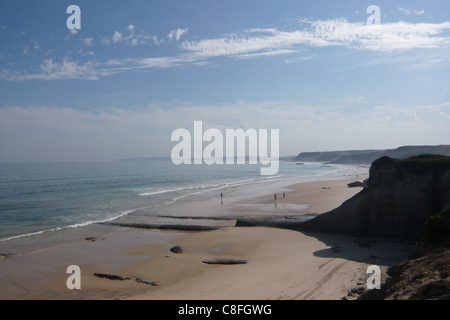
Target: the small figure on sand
pixel 284 195
pixel 275 197
pixel 221 198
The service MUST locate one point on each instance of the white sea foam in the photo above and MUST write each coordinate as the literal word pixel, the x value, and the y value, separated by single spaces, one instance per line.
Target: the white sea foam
pixel 73 226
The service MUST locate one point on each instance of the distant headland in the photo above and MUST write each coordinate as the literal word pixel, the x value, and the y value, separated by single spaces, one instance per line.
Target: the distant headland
pixel 356 157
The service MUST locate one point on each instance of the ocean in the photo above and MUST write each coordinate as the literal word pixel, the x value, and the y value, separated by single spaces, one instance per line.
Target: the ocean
pixel 37 197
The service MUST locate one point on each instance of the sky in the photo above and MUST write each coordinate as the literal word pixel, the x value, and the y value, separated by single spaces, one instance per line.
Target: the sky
pixel 135 71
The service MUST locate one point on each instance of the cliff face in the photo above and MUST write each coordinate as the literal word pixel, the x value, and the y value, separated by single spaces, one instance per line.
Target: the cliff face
pixel 400 197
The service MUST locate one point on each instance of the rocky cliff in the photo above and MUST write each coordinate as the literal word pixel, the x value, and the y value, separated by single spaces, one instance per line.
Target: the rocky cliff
pixel 426 273
pixel 401 195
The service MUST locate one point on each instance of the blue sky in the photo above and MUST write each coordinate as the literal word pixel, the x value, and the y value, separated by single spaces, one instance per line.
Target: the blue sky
pixel 138 70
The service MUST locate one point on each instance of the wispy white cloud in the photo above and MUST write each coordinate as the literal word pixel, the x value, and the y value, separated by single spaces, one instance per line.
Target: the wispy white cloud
pixel 177 34
pixel 443 110
pixel 399 36
pixel 300 59
pixel 254 43
pixel 71 34
pixel 129 37
pixel 83 53
pixel 146 63
pixel 157 40
pixel 411 11
pixel 266 54
pixel 66 69
pixel 88 41
pixel 117 37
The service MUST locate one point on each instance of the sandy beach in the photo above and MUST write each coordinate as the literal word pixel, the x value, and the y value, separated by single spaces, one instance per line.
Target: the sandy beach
pixel 280 264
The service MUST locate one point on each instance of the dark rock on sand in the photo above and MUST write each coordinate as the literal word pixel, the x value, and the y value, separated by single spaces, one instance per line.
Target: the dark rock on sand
pixel 152 283
pixel 286 222
pixel 199 217
pixel 6 255
pixel 109 276
pixel 120 278
pixel 180 227
pixel 176 249
pixel 357 290
pixel 355 184
pixel 225 261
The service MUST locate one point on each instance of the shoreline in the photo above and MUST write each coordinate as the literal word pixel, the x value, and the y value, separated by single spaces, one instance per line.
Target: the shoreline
pixel 144 254
pixel 214 189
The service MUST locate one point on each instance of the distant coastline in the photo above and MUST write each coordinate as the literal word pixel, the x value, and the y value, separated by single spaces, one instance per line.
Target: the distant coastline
pixel 350 157
pixel 355 157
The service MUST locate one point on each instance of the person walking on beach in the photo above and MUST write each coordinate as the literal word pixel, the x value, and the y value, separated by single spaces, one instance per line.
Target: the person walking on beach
pixel 284 195
pixel 275 197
